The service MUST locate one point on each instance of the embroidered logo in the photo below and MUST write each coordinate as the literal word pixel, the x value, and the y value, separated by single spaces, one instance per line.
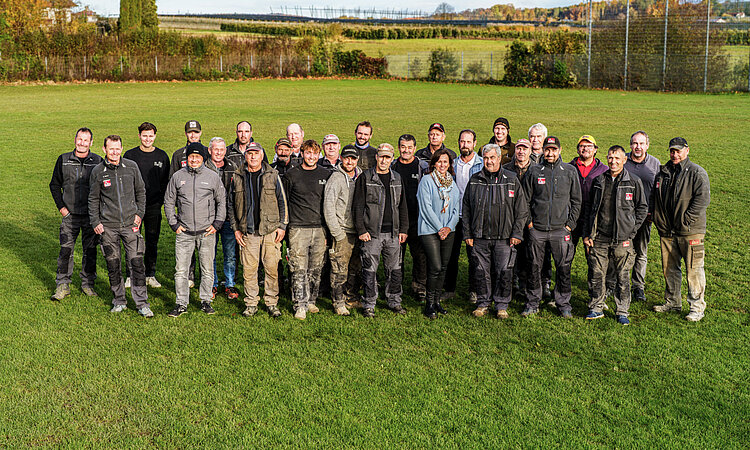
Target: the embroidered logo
pixel 135 229
pixel 158 164
pixel 628 196
pixel 541 180
pixel 107 183
pixel 415 176
pixel 182 183
pixel 511 193
pixel 322 181
pixel 183 163
pixel 695 241
pixel 658 183
pixel 626 244
pixel 567 237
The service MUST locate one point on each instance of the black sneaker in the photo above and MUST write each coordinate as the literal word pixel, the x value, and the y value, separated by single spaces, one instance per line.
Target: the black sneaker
pixel 206 308
pixel 639 295
pixel 177 311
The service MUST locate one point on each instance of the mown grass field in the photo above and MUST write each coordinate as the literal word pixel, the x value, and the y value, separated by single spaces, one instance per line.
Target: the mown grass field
pixel 75 375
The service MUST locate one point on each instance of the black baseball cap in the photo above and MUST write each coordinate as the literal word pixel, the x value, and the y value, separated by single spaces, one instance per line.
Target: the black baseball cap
pixel 551 141
pixel 677 143
pixel 192 125
pixel 436 125
pixel 349 151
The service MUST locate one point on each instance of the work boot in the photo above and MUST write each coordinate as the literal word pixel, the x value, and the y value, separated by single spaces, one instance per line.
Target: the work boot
pixel 207 308
pixel 438 307
pixel 118 308
pixel 250 311
pixel 639 295
pixel 667 308
pixel 398 309
pixel 61 291
pixel 546 290
pixel 479 312
pixel 273 311
pixel 473 298
pixel 152 282
pixel 301 313
pixel 312 309
pixel 502 314
pixel 368 313
pixel 341 310
pixel 89 291
pixel 694 316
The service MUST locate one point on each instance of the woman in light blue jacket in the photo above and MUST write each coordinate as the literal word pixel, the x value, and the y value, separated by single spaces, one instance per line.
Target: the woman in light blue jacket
pixel 438 199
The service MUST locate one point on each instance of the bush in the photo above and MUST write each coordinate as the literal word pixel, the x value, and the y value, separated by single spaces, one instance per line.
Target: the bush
pixel 443 65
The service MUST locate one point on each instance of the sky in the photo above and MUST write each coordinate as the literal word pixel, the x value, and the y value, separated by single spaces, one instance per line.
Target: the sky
pixel 109 7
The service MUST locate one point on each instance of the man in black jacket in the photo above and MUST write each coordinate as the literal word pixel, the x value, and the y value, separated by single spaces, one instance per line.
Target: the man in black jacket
pixel 70 191
pixel 494 214
pixel 382 220
pixel 554 195
pixel 193 133
pixel 681 195
pixel 362 136
pixel 117 203
pixel 236 151
pixel 435 136
pixel 612 218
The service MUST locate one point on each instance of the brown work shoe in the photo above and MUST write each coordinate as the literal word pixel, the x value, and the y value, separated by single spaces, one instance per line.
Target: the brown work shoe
pixel 342 311
pixel 667 308
pixel 312 309
pixel 502 314
pixel 480 312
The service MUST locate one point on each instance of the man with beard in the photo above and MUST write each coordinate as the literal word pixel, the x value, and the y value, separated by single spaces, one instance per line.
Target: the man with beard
pixel 362 136
pixel 284 159
pixel 435 136
pixel 236 151
pixel 588 167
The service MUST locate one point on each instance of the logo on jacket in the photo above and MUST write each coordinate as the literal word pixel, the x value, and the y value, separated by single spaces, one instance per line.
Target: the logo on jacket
pixel 541 180
pixel 567 237
pixel 107 183
pixel 183 163
pixel 628 196
pixel 657 184
pixel 415 176
pixel 511 193
pixel 695 241
pixel 626 244
pixel 182 182
pixel 322 181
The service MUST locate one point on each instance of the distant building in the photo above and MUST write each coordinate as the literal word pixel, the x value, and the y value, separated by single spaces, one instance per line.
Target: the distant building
pixel 58 11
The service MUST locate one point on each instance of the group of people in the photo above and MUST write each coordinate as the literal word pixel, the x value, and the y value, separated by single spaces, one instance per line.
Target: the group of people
pixel 340 212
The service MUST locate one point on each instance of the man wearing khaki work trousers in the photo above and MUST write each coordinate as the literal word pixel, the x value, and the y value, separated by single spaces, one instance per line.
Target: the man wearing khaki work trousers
pixel 258 212
pixel 681 195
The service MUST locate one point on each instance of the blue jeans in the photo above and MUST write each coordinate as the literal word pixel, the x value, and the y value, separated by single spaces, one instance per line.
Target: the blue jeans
pixel 228 243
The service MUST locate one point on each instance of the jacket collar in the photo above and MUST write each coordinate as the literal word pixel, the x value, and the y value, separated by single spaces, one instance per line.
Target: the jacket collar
pixel 197 170
pixel 73 156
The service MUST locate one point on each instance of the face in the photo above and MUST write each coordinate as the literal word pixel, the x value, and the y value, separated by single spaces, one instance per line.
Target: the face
pixel 349 164
pixel 384 162
pixel 254 159
pixel 442 164
pixel 193 136
pixel 536 137
pixel 331 150
pixel 436 137
pixel 616 161
pixel 522 154
pixel 639 146
pixel 677 156
pixel 466 143
pixel 218 150
pixel 295 134
pixel 363 135
pixel 551 154
pixel 244 133
pixel 283 153
pixel 147 138
pixel 113 150
pixel 491 161
pixel 501 134
pixel 195 160
pixel 310 157
pixel 83 142
pixel 407 149
pixel 586 150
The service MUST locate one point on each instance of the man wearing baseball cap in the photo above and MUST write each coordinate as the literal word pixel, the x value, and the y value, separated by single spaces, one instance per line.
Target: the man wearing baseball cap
pixel 331 148
pixel 520 165
pixel 554 195
pixel 344 252
pixel 435 136
pixel 681 195
pixel 199 196
pixel 588 167
pixel 284 159
pixel 501 138
pixel 382 221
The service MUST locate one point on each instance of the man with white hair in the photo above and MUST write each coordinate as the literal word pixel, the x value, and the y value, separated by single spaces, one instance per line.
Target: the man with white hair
pixel 537 134
pixel 296 136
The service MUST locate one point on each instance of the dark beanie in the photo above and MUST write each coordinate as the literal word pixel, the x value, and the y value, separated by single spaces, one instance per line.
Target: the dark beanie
pixel 503 121
pixel 195 147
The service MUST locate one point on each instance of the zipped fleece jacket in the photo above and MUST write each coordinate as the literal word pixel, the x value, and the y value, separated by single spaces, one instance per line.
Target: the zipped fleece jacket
pixel 70 181
pixel 199 197
pixel 369 204
pixel 554 195
pixel 337 203
pixel 680 197
pixel 117 193
pixel 273 203
pixel 494 206
pixel 631 207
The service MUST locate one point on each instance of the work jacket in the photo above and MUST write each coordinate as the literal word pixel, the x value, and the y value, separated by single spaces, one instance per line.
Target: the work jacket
pixel 680 198
pixel 272 201
pixel 494 206
pixel 199 197
pixel 70 181
pixel 117 194
pixel 369 204
pixel 554 195
pixel 631 207
pixel 337 203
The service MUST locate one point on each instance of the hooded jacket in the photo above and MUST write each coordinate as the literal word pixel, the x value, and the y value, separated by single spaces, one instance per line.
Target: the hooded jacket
pixel 117 194
pixel 680 197
pixel 199 197
pixel 494 206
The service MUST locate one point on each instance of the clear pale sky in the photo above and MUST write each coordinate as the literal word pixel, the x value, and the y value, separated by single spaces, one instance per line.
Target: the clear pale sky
pixel 105 7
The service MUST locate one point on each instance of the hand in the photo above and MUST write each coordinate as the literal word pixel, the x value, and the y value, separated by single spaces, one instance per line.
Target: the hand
pixel 365 237
pixel 443 233
pixel 279 235
pixel 180 229
pixel 469 242
pixel 137 220
pixel 210 230
pixel 531 225
pixel 402 237
pixel 99 229
pixel 64 211
pixel 239 238
pixel 588 242
pixel 514 241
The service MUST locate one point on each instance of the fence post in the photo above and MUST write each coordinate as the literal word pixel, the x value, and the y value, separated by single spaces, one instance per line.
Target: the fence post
pixel 627 35
pixel 221 63
pixel 84 68
pixel 408 64
pixel 156 64
pixel 281 71
pixel 588 59
pixel 748 72
pixel 490 65
pixel 45 67
pixel 252 61
pixel 122 72
pixel 462 65
pixel 708 23
pixel 188 62
pixel 664 59
pixel 308 65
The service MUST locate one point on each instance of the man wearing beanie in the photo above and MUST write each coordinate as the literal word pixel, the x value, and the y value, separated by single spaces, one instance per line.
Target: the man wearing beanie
pixel 501 138
pixel 200 198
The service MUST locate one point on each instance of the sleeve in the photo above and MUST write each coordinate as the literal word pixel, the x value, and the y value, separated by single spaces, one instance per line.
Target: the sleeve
pixel 467 212
pixel 220 195
pixel 95 187
pixel 587 212
pixel 358 204
pixel 424 199
pixel 699 200
pixel 641 207
pixel 140 193
pixel 528 190
pixel 230 207
pixel 403 213
pixel 283 206
pixel 520 212
pixel 575 203
pixel 56 184
pixel 170 197
pixel 164 176
pixel 332 192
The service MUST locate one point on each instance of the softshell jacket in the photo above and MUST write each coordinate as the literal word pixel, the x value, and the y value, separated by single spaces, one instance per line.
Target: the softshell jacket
pixel 199 197
pixel 117 193
pixel 70 181
pixel 337 203
pixel 494 206
pixel 631 207
pixel 554 195
pixel 369 204
pixel 680 199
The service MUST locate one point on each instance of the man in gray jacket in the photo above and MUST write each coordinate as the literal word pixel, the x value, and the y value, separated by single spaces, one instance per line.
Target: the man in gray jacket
pixel 117 203
pixel 199 196
pixel 337 210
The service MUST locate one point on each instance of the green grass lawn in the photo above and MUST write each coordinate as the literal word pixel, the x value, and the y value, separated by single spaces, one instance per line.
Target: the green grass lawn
pixel 76 376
